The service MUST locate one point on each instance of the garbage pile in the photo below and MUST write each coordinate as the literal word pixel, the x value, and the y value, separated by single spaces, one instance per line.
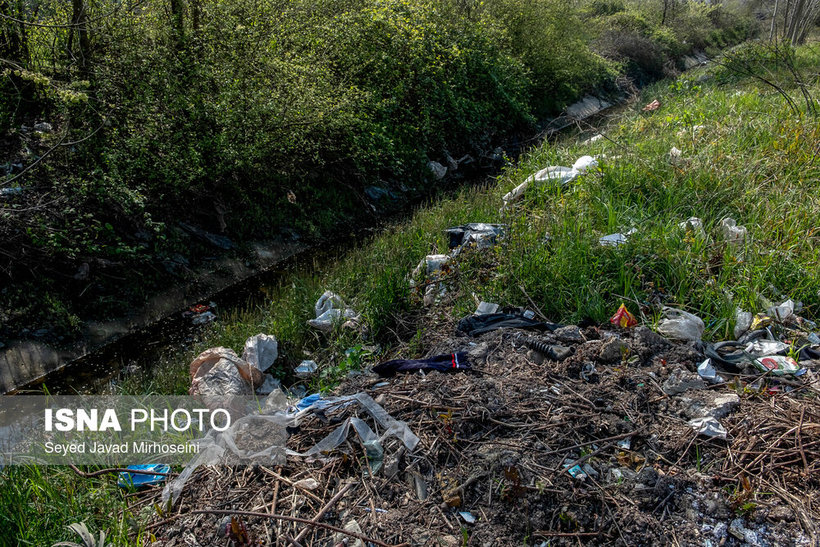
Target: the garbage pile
pixel 511 427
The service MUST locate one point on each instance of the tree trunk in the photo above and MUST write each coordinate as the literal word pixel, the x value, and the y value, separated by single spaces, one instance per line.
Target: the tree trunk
pixel 178 21
pixel 79 23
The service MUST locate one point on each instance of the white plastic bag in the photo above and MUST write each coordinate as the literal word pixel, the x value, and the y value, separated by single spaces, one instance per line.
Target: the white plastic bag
pixel 330 309
pixel 743 320
pixel 261 351
pixel 585 163
pixel 732 233
pixel 680 325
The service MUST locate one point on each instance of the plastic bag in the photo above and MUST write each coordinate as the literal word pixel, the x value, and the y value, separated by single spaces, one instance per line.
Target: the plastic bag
pixel 261 351
pixel 584 163
pixel 743 320
pixel 330 309
pixel 732 233
pixel 218 372
pixel 680 325
pixel 694 225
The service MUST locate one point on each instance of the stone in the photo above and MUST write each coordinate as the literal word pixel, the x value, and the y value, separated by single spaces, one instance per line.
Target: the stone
pixel 570 333
pixel 681 381
pixel 612 351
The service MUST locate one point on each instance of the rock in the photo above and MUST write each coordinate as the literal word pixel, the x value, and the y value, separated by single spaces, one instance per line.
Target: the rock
pixel 269 385
pixel 570 333
pixel 452 164
pixel 351 526
pixel 536 357
pixel 479 353
pixel 723 405
pixel 650 339
pixel 261 351
pixel 219 241
pixel 376 193
pixel 82 272
pixel 681 381
pixel 612 351
pixel 709 404
pixel 737 529
pixel 438 170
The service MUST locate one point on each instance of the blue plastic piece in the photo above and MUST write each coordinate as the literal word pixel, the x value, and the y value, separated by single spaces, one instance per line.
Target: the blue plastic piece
pixel 140 479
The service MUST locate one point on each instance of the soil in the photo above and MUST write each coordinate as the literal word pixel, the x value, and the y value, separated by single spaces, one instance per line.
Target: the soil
pixel 497 443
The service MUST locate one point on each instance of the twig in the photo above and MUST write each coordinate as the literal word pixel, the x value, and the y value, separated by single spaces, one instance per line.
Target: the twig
pixel 294 519
pixel 322 511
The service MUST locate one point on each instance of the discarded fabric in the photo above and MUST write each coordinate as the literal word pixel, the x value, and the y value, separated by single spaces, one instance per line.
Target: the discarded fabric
pixel 136 480
pixel 450 362
pixel 680 325
pixel 479 324
pixel 623 318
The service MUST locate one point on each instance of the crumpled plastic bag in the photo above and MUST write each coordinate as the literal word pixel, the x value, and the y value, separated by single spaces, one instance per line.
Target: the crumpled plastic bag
pixel 680 325
pixel 732 233
pixel 616 240
pixel 434 268
pixel 219 372
pixel 330 310
pixel 262 437
pixel 480 234
pixel 694 225
pixel 782 312
pixel 261 351
pixel 709 427
pixel 743 321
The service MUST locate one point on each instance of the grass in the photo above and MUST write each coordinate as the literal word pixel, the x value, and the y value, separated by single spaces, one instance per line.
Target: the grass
pixel 754 160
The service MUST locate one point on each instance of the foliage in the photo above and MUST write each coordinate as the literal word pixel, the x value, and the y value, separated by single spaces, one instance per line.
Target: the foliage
pixel 248 118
